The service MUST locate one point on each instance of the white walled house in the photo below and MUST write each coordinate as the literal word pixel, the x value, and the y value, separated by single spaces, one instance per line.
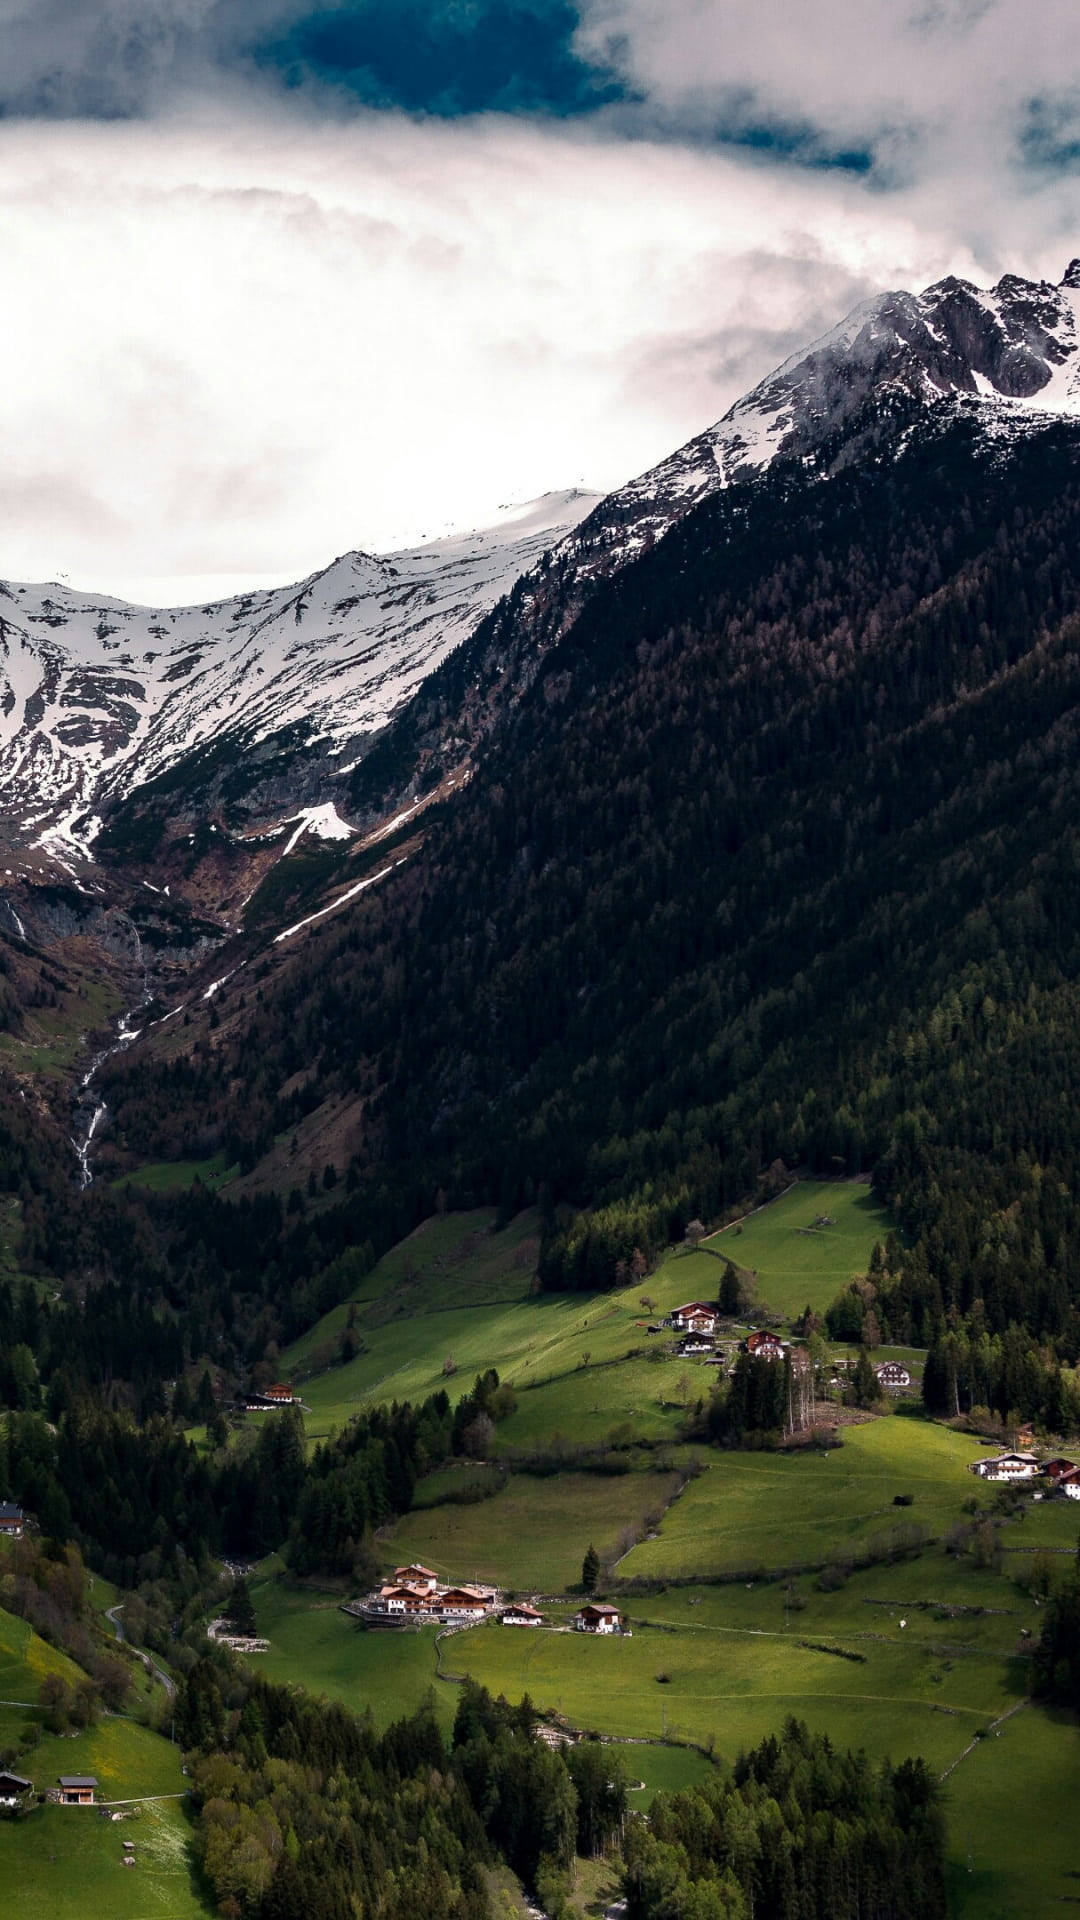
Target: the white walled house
pixel 696 1317
pixel 598 1619
pixel 1007 1466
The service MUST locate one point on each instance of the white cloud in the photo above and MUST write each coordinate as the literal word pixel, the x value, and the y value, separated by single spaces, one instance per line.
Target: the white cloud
pixel 234 347
pixel 934 83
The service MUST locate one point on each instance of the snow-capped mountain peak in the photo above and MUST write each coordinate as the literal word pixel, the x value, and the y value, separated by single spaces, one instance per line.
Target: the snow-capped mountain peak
pixel 98 696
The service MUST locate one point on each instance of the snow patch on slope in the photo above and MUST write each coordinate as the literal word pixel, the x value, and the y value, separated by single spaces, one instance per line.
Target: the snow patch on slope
pixel 97 696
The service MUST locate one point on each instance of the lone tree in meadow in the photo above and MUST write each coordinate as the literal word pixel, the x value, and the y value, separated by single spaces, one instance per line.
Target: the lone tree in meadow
pixel 590 1569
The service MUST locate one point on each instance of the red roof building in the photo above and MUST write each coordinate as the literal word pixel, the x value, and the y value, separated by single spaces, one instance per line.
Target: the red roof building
pixel 765 1346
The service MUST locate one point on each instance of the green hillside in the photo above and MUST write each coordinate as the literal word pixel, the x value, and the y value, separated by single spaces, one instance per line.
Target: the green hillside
pixel 458 1292
pixel 67 1862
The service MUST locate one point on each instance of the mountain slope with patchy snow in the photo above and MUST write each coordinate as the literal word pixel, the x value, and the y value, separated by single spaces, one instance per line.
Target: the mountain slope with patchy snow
pixel 98 697
pixel 1011 354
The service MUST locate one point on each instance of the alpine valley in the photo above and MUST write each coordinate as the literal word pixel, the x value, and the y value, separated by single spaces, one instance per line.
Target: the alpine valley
pixel 543 1068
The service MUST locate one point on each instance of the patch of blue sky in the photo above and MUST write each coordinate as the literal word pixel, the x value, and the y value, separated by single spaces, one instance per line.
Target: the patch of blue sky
pixel 445 57
pixel 1049 138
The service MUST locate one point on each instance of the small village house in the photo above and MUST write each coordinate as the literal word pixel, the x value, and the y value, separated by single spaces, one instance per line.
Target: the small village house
pixel 12 1519
pixel 696 1317
pixel 893 1376
pixel 1056 1470
pixel 271 1396
pixel 466 1602
pixel 765 1346
pixel 1069 1484
pixel 13 1789
pixel 77 1789
pixel 521 1615
pixel 695 1343
pixel 1007 1466
pixel 416 1576
pixel 404 1598
pixel 595 1618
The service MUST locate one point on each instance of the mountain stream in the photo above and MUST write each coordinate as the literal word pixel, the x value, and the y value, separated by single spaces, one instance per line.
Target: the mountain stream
pixel 89 1110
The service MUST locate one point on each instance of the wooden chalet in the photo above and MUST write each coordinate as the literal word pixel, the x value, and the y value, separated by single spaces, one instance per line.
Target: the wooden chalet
pixel 77 1789
pixel 1069 1484
pixel 892 1376
pixel 416 1576
pixel 695 1317
pixel 270 1397
pixel 465 1602
pixel 13 1788
pixel 1056 1470
pixel 521 1615
pixel 12 1520
pixel 765 1346
pixel 1007 1466
pixel 595 1618
pixel 404 1598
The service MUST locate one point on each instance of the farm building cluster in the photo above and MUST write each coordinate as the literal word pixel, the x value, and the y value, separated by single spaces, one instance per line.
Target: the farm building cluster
pixel 71 1790
pixel 416 1594
pixel 1017 1468
pixel 698 1323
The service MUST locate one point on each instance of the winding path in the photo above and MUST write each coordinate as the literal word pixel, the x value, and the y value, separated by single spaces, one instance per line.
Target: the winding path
pixel 151 1665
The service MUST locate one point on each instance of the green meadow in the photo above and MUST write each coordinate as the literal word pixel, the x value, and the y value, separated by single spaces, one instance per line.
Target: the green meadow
pixel 66 1862
pixel 314 1644
pixel 456 1297
pixel 175 1176
pixel 796 1261
pixel 769 1510
pixel 886 1643
pixel 1012 1821
pixel 532 1534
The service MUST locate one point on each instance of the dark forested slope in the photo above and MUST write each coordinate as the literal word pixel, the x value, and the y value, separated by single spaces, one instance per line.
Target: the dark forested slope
pixel 777 859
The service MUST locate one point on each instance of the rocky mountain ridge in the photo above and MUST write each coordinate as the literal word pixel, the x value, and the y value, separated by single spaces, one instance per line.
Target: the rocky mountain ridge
pixel 99 697
pixel 1010 353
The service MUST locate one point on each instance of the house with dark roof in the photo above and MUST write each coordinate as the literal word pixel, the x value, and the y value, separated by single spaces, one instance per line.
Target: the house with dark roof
pixel 521 1615
pixel 594 1618
pixel 12 1519
pixel 892 1376
pixel 77 1789
pixel 13 1788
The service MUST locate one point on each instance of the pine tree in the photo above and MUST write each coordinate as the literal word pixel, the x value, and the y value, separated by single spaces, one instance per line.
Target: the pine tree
pixel 590 1569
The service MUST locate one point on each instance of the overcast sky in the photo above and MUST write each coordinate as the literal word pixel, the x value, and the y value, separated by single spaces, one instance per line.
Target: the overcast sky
pixel 280 280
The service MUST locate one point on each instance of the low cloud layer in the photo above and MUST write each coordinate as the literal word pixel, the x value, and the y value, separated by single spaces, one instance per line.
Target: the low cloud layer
pixel 251 321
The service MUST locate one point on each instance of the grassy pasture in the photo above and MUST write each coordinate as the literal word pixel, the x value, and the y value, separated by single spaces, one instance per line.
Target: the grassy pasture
pixel 175 1176
pixel 25 1660
pixel 734 1687
pixel 1012 1821
pixel 456 1290
pixel 66 1863
pixel 797 1262
pixel 767 1510
pixel 314 1645
pixel 532 1535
